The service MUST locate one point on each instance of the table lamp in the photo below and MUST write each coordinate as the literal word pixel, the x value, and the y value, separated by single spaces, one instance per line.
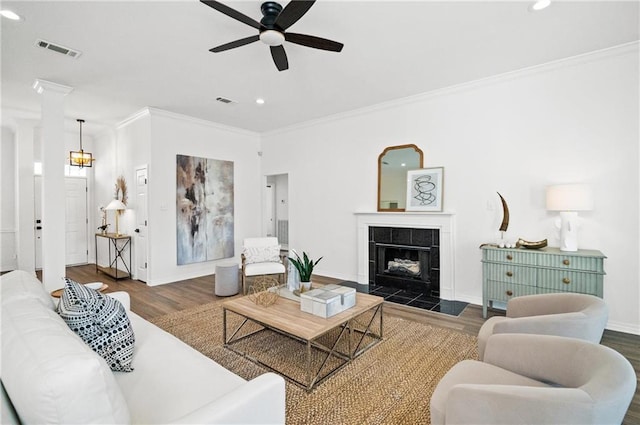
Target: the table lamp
pixel 569 199
pixel 117 206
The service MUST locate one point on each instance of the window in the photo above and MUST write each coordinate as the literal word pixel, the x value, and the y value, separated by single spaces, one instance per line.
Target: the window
pixel 69 171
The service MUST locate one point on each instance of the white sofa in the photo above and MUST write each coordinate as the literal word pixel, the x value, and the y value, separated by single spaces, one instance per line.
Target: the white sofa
pixel 49 375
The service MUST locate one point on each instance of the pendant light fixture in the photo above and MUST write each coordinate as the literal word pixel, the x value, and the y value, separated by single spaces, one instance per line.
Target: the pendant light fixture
pixel 80 158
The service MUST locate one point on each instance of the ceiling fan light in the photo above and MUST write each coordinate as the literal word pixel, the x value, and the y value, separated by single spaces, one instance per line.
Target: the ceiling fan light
pixel 272 37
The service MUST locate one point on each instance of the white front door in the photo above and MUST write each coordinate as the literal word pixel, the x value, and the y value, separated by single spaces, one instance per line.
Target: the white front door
pixel 37 210
pixel 76 220
pixel 141 224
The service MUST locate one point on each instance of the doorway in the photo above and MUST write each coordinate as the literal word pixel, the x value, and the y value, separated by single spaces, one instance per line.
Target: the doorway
pixel 276 208
pixel 76 222
pixel 141 224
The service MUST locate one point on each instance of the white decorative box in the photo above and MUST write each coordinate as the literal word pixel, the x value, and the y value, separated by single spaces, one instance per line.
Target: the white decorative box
pixel 328 300
pixel 348 296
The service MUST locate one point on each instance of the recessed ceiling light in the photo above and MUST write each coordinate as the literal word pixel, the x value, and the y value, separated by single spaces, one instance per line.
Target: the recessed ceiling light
pixel 260 101
pixel 403 165
pixel 540 4
pixel 9 14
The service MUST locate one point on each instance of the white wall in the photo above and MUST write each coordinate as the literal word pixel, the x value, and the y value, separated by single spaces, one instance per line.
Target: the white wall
pixel 173 134
pixel 104 179
pixel 119 151
pixel 571 121
pixel 153 138
pixel 8 229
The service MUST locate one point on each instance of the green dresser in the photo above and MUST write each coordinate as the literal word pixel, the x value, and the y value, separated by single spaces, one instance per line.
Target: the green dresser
pixel 512 272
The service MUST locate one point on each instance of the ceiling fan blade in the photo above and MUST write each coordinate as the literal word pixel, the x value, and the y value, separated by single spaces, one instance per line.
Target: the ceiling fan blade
pixel 279 58
pixel 292 12
pixel 312 41
pixel 232 13
pixel 235 44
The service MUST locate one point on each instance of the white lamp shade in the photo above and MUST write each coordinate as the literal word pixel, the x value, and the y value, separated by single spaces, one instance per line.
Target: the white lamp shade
pixel 116 204
pixel 272 37
pixel 569 197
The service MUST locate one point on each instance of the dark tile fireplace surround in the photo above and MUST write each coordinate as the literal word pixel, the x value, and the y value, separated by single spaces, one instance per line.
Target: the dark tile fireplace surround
pixel 405 258
pixel 404 268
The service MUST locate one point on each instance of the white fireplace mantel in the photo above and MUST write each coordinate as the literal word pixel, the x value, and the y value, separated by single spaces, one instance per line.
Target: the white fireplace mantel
pixel 418 220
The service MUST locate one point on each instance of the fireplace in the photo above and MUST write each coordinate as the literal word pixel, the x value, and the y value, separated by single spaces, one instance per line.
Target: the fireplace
pixel 443 223
pixel 405 258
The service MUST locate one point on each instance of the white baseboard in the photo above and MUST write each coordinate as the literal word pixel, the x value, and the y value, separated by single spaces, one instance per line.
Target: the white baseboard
pixel 623 327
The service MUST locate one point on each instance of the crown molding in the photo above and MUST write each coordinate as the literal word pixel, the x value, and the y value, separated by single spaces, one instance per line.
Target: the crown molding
pixel 151 112
pixel 144 112
pixel 11 117
pixel 40 86
pixel 594 56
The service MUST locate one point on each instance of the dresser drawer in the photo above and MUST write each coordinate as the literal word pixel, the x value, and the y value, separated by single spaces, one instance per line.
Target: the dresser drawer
pixel 571 262
pixel 509 273
pixel 501 255
pixel 569 281
pixel 501 291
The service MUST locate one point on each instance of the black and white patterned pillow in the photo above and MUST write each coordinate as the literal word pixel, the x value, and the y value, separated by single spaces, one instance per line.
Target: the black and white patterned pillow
pixel 101 322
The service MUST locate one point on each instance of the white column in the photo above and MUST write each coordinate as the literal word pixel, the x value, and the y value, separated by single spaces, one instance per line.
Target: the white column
pixel 25 241
pixel 53 188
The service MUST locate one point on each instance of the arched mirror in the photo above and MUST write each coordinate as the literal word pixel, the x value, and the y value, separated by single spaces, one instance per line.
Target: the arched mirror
pixel 393 164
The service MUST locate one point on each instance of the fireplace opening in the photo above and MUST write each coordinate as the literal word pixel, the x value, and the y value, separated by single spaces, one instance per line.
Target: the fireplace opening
pixel 405 259
pixel 400 267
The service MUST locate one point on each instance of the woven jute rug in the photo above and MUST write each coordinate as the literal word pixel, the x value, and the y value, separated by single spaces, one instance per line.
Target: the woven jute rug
pixel 391 383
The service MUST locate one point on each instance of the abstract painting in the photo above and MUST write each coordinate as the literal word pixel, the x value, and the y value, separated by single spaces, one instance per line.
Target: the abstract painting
pixel 424 189
pixel 204 209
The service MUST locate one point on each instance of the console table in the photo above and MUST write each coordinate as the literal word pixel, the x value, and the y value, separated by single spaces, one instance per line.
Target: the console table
pixel 512 272
pixel 117 246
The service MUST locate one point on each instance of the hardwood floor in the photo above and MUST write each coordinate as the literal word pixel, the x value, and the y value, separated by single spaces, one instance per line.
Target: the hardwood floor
pixel 154 301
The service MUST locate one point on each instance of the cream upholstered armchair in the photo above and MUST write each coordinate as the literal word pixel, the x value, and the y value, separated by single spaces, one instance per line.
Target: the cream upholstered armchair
pixel 536 379
pixel 572 315
pixel 261 256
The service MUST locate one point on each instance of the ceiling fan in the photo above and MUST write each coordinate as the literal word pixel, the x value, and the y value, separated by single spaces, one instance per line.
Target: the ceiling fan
pixel 272 29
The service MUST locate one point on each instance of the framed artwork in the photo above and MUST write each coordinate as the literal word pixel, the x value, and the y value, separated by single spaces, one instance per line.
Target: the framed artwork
pixel 424 189
pixel 204 209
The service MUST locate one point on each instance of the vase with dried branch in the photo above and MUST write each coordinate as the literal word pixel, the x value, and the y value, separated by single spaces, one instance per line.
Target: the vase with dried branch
pixel 121 190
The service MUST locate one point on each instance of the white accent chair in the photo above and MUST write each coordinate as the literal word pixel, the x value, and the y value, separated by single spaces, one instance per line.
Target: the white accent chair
pixel 571 315
pixel 536 379
pixel 261 256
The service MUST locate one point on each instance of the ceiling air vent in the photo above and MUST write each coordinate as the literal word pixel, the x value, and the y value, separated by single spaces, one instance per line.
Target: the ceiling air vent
pixel 224 100
pixel 58 48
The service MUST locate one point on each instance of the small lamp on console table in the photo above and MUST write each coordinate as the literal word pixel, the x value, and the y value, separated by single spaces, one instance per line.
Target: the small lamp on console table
pixel 569 199
pixel 117 206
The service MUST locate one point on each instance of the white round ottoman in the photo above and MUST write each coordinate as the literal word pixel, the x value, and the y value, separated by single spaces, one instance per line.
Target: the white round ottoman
pixel 226 279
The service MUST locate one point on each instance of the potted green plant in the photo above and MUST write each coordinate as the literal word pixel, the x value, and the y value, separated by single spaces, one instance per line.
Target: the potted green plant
pixel 304 266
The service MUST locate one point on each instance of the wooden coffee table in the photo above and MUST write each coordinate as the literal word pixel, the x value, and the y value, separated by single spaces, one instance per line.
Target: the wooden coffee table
pixel 286 318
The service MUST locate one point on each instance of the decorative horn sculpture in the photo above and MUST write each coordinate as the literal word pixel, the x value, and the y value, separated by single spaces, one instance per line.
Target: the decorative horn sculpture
pixel 505 215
